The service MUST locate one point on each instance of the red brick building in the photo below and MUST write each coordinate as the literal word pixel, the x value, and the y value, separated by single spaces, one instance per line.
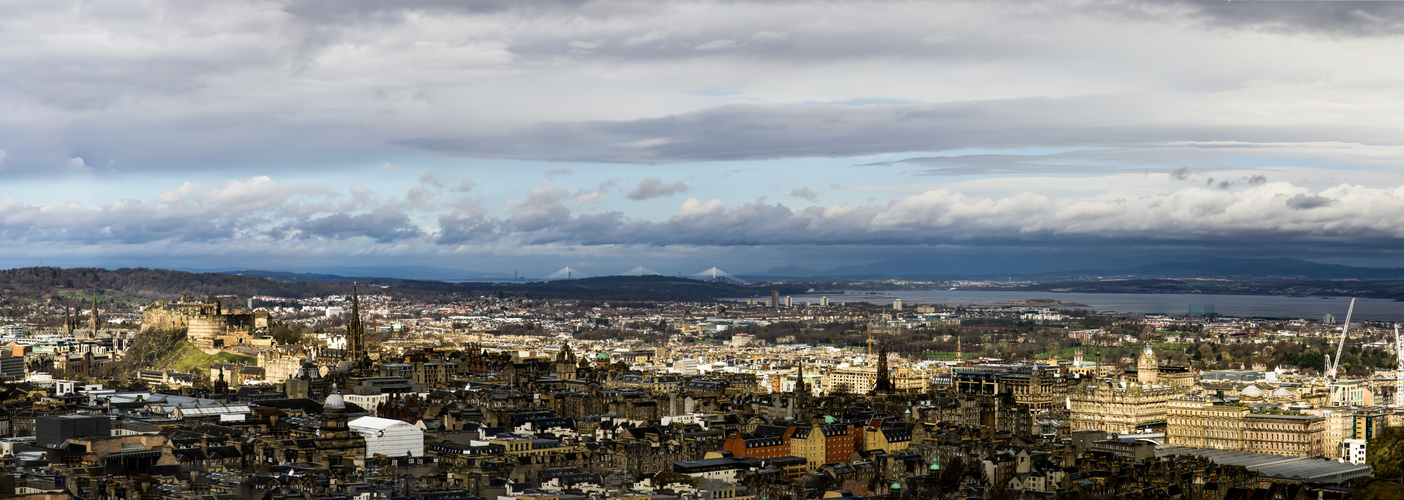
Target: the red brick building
pixel 769 441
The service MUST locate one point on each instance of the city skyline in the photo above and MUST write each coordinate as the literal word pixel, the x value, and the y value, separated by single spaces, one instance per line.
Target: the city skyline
pixel 498 137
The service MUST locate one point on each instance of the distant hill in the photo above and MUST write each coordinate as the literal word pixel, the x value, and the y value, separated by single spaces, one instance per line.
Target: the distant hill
pixel 639 287
pixel 786 272
pixel 983 265
pixel 289 277
pixel 152 284
pixel 1052 266
pixel 409 273
pixel 149 284
pixel 1284 268
pixel 333 273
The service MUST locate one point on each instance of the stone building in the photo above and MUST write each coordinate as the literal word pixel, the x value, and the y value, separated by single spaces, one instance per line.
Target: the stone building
pixel 1147 367
pixel 1197 422
pixel 208 324
pixel 861 379
pixel 1202 422
pixel 1121 408
pixel 1149 371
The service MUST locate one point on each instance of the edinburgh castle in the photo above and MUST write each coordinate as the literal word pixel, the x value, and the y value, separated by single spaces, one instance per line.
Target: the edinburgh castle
pixel 209 325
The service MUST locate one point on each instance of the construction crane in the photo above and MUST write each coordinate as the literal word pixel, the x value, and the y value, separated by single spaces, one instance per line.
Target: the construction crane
pixel 1340 347
pixel 1334 364
pixel 1398 368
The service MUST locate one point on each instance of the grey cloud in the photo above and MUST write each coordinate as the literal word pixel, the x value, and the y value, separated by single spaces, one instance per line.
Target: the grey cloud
pixel 749 132
pixel 221 76
pixel 419 196
pixel 654 187
pixel 381 225
pixel 538 217
pixel 466 222
pixel 1307 202
pixel 540 209
pixel 239 211
pixel 428 179
pixel 422 196
pixel 1252 180
pixel 1349 18
pixel 344 11
pixel 805 193
pixel 1328 18
pixel 1180 174
pixel 1185 217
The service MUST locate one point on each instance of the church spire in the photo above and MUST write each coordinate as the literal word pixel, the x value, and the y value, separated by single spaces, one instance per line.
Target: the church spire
pixel 93 318
pixel 356 333
pixel 884 382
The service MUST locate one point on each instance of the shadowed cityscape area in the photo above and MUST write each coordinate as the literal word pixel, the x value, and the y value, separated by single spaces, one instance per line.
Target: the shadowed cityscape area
pixel 701 250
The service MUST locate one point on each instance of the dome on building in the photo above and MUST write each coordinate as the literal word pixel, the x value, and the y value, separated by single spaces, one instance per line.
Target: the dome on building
pixel 1252 391
pixel 1282 392
pixel 334 402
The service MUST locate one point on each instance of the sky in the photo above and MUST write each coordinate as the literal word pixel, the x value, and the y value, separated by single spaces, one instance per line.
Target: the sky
pixel 508 136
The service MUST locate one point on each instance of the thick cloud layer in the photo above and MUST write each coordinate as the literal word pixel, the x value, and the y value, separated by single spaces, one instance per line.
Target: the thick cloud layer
pixel 265 210
pixel 582 127
pixel 141 87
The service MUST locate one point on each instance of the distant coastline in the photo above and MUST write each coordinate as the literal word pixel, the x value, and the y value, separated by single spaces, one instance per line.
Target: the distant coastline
pixel 1063 304
pixel 1175 304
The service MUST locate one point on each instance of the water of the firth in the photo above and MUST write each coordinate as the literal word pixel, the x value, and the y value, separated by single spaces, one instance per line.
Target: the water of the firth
pixel 1241 306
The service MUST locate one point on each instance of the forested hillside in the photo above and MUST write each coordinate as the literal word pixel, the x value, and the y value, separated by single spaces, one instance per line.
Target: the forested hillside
pixel 152 284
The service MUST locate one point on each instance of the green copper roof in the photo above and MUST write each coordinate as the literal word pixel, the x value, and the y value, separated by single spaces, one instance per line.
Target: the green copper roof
pixel 828 419
pixel 896 486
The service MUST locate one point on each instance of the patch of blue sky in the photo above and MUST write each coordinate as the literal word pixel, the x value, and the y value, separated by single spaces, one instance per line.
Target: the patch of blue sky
pixel 1271 161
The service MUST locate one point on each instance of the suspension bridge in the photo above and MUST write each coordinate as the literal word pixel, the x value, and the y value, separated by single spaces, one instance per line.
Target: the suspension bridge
pixel 711 275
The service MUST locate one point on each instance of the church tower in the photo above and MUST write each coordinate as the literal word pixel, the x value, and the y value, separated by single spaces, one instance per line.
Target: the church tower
pixel 566 364
pixel 1147 368
pixel 356 335
pixel 884 381
pixel 93 318
pixel 799 405
pixel 70 320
